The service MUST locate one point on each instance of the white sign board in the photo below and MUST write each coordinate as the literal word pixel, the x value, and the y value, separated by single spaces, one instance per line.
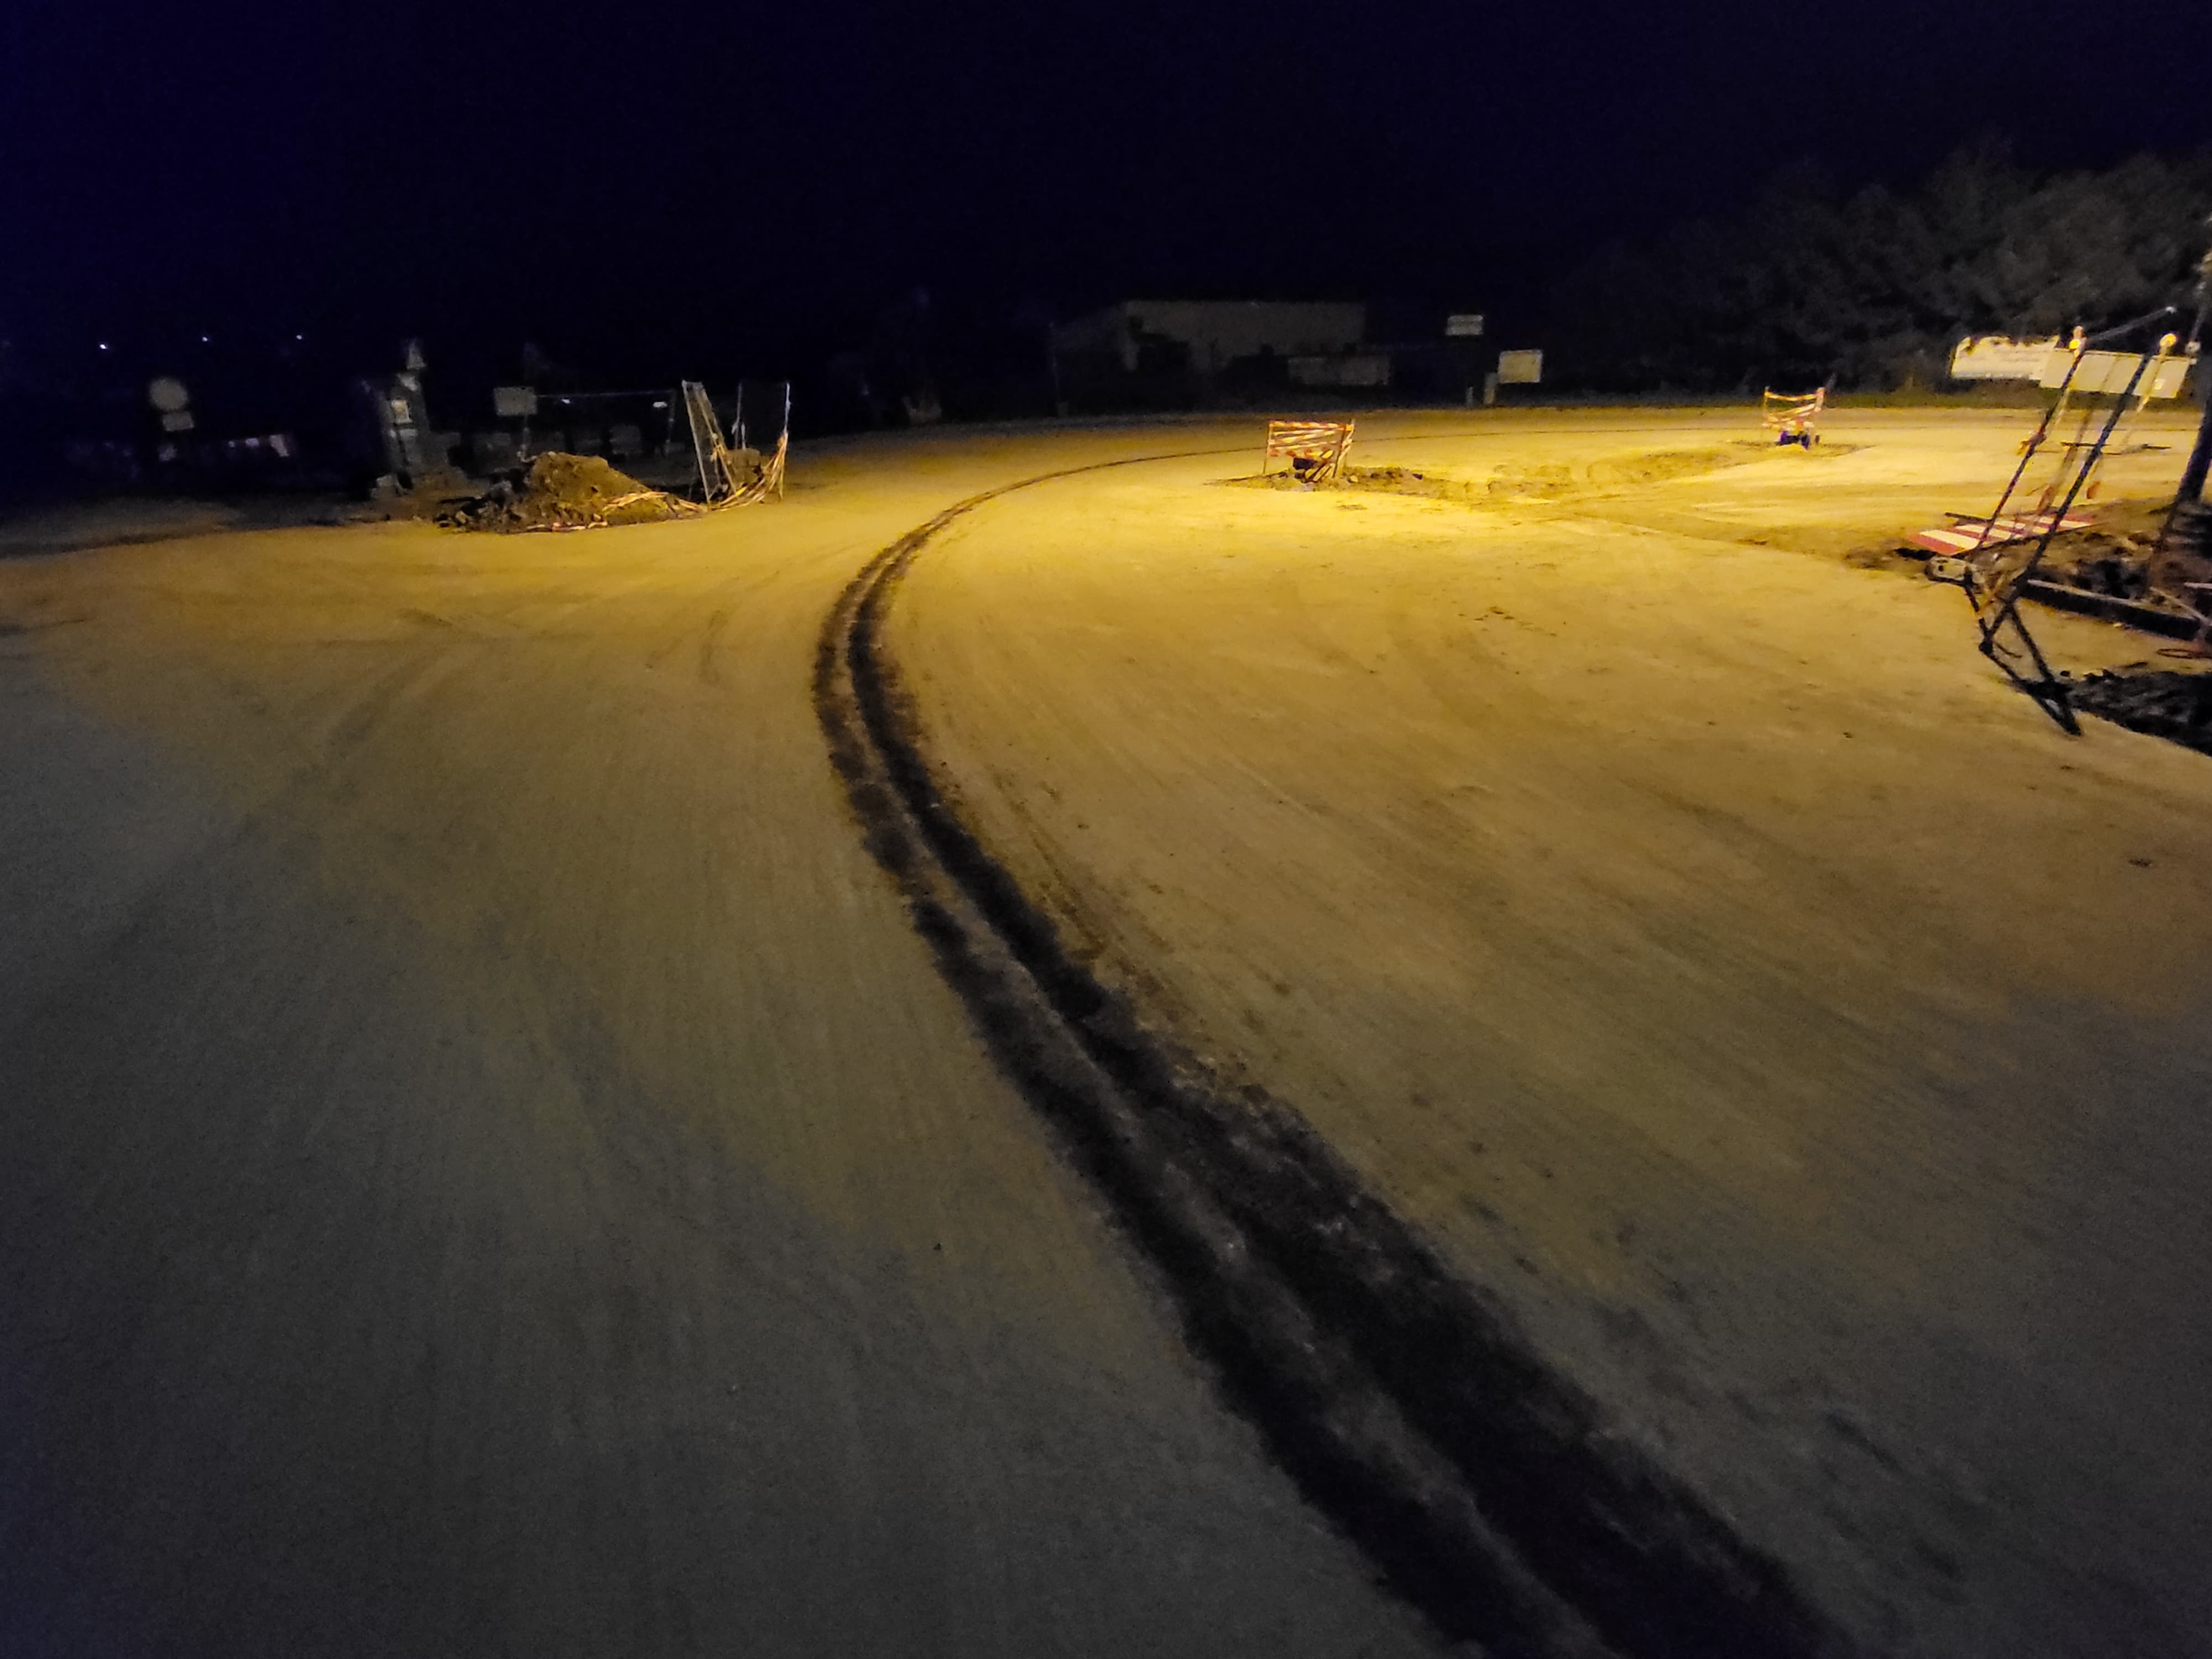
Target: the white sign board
pixel 2115 372
pixel 514 402
pixel 1995 357
pixel 1463 325
pixel 2045 362
pixel 1520 368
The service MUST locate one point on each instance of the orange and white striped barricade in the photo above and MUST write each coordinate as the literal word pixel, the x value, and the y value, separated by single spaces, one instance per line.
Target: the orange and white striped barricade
pixel 1794 418
pixel 1314 449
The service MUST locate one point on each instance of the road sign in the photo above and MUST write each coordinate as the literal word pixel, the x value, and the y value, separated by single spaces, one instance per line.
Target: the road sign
pixel 2116 372
pixel 1463 325
pixel 1520 368
pixel 2045 364
pixel 1997 357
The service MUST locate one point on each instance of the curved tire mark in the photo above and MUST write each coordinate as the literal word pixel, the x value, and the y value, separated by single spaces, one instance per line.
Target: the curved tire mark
pixel 1483 1486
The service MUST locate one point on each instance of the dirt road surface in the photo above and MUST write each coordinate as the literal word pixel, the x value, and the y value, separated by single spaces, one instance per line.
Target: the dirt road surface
pixel 488 1165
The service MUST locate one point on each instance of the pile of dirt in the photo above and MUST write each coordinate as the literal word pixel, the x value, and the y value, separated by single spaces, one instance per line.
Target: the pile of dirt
pixel 2172 703
pixel 565 492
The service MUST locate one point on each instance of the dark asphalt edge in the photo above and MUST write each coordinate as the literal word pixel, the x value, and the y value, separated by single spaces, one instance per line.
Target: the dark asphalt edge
pixel 1405 1406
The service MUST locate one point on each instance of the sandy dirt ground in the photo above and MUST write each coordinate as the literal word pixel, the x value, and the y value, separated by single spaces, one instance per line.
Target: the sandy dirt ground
pixel 1694 936
pixel 486 1164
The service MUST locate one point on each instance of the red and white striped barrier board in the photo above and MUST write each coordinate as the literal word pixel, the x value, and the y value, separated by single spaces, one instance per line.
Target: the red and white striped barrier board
pixel 1793 417
pixel 1321 444
pixel 1969 534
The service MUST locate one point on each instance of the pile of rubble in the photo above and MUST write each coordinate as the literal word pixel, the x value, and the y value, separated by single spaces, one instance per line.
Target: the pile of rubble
pixel 565 492
pixel 2127 562
pixel 2123 569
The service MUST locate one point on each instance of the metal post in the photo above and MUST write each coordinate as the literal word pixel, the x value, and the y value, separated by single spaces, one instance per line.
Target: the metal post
pixel 2200 458
pixel 2046 688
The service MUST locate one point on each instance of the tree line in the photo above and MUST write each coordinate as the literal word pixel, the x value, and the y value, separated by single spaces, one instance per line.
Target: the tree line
pixel 1872 288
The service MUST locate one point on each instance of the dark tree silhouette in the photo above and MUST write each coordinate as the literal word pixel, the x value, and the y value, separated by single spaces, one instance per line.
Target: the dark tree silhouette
pixel 1874 288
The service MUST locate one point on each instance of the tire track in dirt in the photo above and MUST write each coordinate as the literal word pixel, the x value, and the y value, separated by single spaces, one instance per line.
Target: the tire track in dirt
pixel 1483 1487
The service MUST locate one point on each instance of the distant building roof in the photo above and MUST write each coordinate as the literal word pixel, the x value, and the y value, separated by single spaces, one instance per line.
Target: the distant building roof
pixel 1218 333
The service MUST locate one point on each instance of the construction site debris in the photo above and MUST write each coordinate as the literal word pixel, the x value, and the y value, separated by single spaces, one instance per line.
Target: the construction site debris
pixel 2172 703
pixel 2126 565
pixel 2120 566
pixel 566 492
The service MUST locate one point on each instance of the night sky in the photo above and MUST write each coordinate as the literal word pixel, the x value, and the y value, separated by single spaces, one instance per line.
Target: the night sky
pixel 646 187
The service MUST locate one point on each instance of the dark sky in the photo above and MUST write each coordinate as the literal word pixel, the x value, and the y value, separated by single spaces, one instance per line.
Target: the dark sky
pixel 636 185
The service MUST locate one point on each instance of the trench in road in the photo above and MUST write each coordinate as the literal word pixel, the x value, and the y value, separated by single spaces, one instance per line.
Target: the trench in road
pixel 1482 1486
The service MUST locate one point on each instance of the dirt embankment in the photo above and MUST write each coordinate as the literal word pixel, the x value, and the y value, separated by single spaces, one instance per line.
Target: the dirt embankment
pixel 1541 482
pixel 566 492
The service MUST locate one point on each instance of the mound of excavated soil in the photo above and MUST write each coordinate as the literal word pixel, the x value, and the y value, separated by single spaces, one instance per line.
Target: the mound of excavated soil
pixel 565 492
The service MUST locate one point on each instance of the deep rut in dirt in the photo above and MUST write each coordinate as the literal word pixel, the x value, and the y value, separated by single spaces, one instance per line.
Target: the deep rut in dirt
pixel 1484 1488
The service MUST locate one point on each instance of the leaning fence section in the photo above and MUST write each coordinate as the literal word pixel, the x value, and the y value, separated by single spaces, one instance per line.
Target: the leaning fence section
pixel 734 474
